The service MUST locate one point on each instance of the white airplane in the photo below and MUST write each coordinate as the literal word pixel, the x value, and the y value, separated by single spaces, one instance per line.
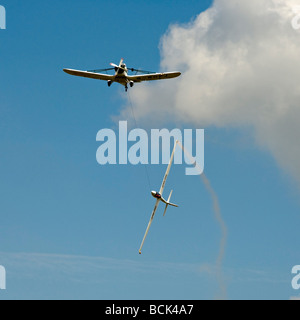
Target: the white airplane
pixel 159 198
pixel 121 75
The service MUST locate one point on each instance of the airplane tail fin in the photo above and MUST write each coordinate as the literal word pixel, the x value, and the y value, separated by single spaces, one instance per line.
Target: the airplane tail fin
pixel 169 203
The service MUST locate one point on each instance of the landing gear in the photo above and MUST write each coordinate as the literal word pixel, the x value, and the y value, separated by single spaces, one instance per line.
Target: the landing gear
pixel 131 83
pixel 109 83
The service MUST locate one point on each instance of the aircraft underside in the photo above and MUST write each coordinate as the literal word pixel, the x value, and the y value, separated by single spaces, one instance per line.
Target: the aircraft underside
pixel 123 80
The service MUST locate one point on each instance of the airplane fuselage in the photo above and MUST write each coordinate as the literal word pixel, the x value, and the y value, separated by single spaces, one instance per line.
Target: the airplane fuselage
pixel 158 196
pixel 121 76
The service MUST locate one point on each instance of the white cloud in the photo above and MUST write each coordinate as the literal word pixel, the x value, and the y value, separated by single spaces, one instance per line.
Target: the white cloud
pixel 240 64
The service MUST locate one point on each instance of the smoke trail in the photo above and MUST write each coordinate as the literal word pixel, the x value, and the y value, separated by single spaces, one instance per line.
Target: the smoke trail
pixel 222 295
pixel 217 211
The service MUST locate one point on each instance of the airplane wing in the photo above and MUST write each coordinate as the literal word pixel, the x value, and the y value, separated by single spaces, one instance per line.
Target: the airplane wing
pixel 87 74
pixel 154 76
pixel 149 225
pixel 168 170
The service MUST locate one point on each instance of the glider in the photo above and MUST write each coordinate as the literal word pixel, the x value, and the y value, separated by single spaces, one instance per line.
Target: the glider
pixel 159 198
pixel 121 75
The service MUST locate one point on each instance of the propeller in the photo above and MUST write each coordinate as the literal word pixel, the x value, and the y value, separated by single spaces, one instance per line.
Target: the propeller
pixel 115 67
pixel 119 66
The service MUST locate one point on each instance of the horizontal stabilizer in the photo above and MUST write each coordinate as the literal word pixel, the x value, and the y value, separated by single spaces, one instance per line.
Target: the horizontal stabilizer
pixel 168 203
pixel 173 205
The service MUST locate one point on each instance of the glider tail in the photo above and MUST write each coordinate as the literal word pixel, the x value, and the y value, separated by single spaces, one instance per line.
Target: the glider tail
pixel 168 203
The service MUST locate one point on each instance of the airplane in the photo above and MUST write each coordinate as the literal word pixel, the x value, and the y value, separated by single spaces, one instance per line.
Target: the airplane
pixel 159 198
pixel 121 75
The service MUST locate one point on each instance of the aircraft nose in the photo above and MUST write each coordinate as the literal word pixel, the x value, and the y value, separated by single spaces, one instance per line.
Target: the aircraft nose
pixel 153 193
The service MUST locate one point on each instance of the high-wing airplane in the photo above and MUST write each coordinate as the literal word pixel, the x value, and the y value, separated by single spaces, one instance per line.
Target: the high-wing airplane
pixel 159 198
pixel 121 75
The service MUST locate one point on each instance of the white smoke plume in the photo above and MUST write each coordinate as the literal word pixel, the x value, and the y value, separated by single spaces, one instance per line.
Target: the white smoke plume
pixel 240 68
pixel 222 295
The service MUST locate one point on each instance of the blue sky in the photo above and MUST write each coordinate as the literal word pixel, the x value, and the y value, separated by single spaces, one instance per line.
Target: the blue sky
pixel 71 228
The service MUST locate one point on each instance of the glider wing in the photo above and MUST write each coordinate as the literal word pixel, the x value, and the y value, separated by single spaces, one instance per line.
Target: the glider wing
pixel 149 225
